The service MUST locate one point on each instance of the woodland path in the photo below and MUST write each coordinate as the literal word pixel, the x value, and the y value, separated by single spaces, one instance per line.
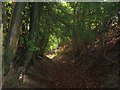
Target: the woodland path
pixel 60 74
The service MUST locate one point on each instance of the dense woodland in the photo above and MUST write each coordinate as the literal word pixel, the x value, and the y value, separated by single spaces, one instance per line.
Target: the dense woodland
pixel 61 45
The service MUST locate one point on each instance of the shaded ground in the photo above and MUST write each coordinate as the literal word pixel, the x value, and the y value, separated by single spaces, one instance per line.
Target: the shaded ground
pixel 97 68
pixel 68 71
pixel 61 74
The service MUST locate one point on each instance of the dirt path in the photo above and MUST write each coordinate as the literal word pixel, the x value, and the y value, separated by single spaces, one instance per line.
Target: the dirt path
pixel 93 72
pixel 70 75
pixel 60 75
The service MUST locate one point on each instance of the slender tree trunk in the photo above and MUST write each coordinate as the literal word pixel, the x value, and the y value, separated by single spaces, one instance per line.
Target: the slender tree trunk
pixel 11 76
pixel 1 42
pixel 34 19
pixel 118 15
pixel 13 35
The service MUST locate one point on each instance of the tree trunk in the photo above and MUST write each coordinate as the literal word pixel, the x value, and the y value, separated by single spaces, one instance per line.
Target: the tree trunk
pixel 3 12
pixel 1 42
pixel 119 15
pixel 34 19
pixel 11 44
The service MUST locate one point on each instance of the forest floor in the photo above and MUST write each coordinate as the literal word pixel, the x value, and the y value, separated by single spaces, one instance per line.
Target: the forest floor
pixel 97 68
pixel 63 73
pixel 69 71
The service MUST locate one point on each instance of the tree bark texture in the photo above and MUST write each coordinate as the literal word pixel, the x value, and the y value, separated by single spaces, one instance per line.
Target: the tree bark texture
pixel 13 35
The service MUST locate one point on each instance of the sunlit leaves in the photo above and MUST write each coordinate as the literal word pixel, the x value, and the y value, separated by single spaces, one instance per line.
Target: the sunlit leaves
pixel 81 19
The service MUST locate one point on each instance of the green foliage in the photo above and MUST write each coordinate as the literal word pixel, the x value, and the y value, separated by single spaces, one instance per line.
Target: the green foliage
pixel 61 23
pixel 7 13
pixel 88 18
pixel 32 46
